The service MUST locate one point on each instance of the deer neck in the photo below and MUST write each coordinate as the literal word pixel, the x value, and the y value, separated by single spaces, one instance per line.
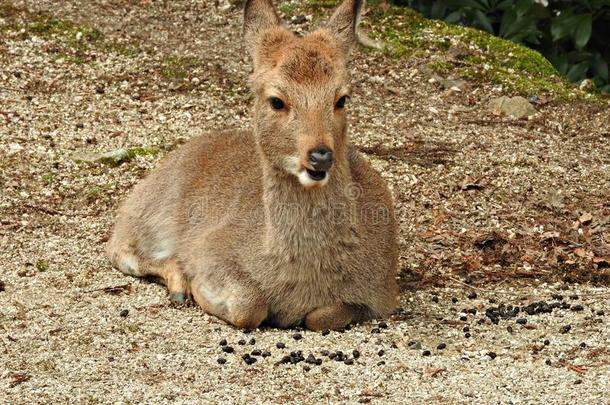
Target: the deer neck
pixel 301 221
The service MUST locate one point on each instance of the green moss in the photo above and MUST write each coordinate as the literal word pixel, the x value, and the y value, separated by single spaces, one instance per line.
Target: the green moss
pixel 47 26
pixel 287 8
pixel 116 157
pixel 133 328
pixel 322 3
pixel 141 151
pixel 48 178
pixel 518 69
pixel 442 67
pixel 72 38
pixel 175 67
pixel 119 156
pixel 121 48
pixel 42 265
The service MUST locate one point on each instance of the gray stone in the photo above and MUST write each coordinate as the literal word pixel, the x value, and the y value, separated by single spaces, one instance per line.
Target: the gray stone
pixel 516 107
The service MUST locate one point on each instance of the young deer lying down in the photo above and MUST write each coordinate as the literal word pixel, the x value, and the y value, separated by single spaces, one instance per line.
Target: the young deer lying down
pixel 285 224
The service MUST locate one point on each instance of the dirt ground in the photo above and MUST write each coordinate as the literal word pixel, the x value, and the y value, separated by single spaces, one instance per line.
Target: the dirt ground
pixel 505 224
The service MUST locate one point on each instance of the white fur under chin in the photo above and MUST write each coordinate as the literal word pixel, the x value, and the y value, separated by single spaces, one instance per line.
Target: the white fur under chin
pixel 307 181
pixel 293 166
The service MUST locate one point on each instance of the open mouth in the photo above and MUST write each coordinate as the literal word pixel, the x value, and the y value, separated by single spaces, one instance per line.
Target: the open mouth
pixel 315 175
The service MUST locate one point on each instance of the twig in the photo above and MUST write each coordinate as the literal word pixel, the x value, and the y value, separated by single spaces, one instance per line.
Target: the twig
pixel 494 122
pixel 52 211
pixel 111 289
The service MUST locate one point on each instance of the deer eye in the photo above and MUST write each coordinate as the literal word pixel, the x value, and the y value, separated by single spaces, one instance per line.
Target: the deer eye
pixel 276 103
pixel 341 102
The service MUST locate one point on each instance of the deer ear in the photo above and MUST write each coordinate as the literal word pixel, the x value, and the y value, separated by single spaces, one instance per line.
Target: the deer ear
pixel 344 22
pixel 259 15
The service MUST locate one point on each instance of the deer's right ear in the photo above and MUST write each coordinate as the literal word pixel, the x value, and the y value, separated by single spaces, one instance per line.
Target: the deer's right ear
pixel 259 15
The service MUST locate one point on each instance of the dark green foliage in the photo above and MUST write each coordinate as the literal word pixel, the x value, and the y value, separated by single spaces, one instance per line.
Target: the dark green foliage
pixel 573 35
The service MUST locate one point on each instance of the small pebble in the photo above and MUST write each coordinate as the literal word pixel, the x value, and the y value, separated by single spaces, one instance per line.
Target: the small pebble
pixel 241 342
pixel 466 329
pixel 547 342
pixel 599 313
pixel 548 362
pixel 454 300
pixel 256 352
pixel 306 368
pixel 566 328
pixel 441 346
pixel 467 335
pixel 228 349
pixel 266 354
pixel 375 330
pixel 381 363
pixel 463 318
pixel 492 355
pixel 434 298
pixel 509 329
pixel 124 313
pixel 349 361
pixel 381 352
pixel 221 360
pixel 583 345
pixel 382 325
pixel 472 295
pixel 577 382
pixel 325 332
pixel 577 308
pixel 252 341
pixel 223 342
pixel 280 345
pixel 297 336
pixel 426 353
pixel 521 321
pixel 250 360
pixel 356 354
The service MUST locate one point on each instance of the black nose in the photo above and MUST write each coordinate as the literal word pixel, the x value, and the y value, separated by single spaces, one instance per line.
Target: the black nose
pixel 321 158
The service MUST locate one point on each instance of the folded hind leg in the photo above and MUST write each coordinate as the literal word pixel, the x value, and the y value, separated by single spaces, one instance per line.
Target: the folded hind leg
pixel 223 290
pixel 167 271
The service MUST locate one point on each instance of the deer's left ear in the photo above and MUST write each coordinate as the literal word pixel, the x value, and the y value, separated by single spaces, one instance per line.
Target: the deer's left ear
pixel 344 22
pixel 259 15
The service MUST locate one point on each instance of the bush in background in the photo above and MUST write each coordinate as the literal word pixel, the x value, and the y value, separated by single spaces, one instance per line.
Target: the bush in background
pixel 573 35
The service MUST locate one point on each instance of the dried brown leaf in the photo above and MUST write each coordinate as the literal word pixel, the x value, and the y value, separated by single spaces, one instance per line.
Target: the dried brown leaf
pixel 18 378
pixel 434 371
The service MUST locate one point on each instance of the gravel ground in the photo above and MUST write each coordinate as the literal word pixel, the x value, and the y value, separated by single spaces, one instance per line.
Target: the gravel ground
pixel 496 214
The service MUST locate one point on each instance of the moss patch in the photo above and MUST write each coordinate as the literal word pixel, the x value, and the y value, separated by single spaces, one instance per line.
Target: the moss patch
pixel 73 42
pixel 42 265
pixel 520 70
pixel 116 157
pixel 175 67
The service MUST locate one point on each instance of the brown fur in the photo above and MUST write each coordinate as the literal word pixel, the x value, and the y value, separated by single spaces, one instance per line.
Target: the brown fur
pixel 225 219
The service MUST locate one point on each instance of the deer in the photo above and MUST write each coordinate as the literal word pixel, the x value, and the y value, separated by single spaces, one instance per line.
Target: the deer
pixel 285 225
